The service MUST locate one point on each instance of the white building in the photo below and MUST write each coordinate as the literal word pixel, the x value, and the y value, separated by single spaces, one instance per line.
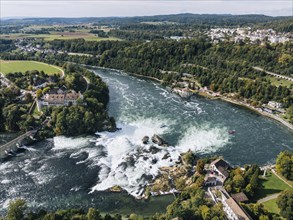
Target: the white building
pixel 233 210
pixel 221 167
pixel 274 104
pixel 61 97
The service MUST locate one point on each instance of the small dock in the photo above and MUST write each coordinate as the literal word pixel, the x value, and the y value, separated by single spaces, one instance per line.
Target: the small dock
pixel 12 145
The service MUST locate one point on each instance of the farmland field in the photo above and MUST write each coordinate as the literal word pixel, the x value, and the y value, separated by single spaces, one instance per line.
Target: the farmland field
pixel 60 36
pixel 23 66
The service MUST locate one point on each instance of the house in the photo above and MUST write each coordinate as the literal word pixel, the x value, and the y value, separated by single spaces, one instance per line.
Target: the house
pixel 240 197
pixel 233 210
pixel 61 97
pixel 274 104
pixel 268 110
pixel 220 167
pixel 210 181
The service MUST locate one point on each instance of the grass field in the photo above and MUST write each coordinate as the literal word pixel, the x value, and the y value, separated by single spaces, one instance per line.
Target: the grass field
pixel 272 206
pixel 271 185
pixel 279 82
pixel 23 66
pixel 60 35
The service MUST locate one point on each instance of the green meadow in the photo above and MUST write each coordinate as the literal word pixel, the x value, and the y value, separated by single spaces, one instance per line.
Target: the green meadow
pixel 60 36
pixel 23 66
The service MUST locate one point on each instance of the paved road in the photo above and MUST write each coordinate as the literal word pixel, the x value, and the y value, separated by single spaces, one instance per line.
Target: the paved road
pixel 274 74
pixel 274 196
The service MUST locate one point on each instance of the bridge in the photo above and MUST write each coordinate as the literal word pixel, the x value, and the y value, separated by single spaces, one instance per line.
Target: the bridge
pixel 274 74
pixel 12 145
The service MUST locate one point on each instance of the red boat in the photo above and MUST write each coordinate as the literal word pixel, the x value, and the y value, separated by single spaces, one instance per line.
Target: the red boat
pixel 232 132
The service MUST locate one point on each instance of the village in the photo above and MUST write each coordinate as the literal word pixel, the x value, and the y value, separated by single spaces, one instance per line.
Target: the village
pixel 248 35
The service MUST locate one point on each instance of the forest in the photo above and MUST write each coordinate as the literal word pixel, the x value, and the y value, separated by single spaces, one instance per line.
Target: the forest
pixel 226 67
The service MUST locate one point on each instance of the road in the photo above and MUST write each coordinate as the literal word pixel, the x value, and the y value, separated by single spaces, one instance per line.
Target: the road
pixel 87 82
pixel 273 74
pixel 274 196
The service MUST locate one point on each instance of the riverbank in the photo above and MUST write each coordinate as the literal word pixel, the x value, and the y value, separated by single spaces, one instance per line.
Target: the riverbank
pixel 258 110
pixel 131 74
pixel 207 94
pixel 246 105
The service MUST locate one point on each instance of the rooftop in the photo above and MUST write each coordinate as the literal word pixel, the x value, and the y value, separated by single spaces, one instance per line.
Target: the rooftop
pixel 240 197
pixel 237 209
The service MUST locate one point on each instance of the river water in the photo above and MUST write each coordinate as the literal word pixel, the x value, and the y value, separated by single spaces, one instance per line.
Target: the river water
pixel 69 172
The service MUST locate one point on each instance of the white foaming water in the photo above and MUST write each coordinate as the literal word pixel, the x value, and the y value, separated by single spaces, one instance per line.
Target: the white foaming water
pixel 62 143
pixel 204 139
pixel 130 164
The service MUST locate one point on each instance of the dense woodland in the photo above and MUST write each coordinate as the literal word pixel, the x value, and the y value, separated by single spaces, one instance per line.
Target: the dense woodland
pixel 225 68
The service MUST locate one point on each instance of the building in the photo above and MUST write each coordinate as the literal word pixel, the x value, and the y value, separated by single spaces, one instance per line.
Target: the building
pixel 274 104
pixel 220 167
pixel 210 181
pixel 233 210
pixel 239 197
pixel 61 97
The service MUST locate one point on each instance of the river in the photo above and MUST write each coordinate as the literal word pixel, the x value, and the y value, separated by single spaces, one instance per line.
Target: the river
pixel 73 172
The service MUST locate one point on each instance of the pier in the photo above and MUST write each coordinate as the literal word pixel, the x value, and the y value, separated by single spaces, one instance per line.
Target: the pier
pixel 12 145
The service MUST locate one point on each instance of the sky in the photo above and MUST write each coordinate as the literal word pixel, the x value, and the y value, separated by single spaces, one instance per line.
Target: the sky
pixel 122 8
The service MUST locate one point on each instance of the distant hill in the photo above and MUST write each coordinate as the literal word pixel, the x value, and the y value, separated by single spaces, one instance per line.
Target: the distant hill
pixel 198 19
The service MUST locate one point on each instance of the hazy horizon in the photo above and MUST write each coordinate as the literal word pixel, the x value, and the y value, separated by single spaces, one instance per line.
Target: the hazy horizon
pixel 129 8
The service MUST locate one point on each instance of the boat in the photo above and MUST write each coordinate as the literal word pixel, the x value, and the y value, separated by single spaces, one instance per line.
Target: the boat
pixel 163 126
pixel 232 132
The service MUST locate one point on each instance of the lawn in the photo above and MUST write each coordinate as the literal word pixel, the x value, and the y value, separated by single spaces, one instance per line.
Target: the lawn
pixel 279 82
pixel 272 206
pixel 23 66
pixel 271 185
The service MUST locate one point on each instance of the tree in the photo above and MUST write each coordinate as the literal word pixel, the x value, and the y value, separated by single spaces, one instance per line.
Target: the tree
pixel 200 166
pixel 28 97
pixel 239 181
pixel 133 217
pixel 284 164
pixel 39 93
pixel 189 158
pixel 285 203
pixel 16 210
pixel 289 114
pixel 93 214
